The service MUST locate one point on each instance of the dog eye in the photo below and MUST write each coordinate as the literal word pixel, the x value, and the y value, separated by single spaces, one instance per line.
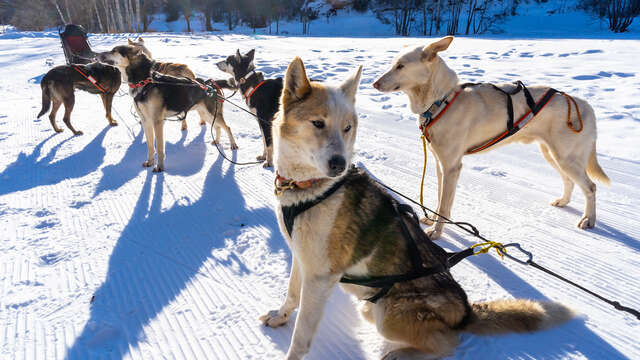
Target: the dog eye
pixel 399 67
pixel 347 128
pixel 318 123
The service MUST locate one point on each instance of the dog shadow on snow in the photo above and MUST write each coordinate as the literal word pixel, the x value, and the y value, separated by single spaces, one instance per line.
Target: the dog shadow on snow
pixel 573 337
pixel 159 253
pixel 184 160
pixel 28 171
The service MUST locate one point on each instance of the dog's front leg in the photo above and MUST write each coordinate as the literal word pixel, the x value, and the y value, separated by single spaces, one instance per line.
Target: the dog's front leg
pixel 158 126
pixel 147 127
pixel 450 175
pixel 316 290
pixel 280 317
pixel 430 219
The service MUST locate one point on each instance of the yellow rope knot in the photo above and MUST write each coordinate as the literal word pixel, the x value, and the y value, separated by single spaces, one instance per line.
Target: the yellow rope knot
pixel 486 246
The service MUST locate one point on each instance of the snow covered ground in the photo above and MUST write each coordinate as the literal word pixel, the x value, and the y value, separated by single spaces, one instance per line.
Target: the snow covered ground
pixel 100 258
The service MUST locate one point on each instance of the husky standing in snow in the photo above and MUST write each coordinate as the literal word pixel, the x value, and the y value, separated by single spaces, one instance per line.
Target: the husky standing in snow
pixel 168 68
pixel 58 88
pixel 261 95
pixel 461 119
pixel 341 225
pixel 158 96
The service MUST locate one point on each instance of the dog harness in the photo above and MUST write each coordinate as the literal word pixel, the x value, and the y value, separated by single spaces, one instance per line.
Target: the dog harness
pixel 403 211
pixel 250 91
pixel 140 84
pixel 437 110
pixel 91 79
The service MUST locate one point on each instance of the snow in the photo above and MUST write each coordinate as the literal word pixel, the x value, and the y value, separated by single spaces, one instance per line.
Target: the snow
pixel 101 258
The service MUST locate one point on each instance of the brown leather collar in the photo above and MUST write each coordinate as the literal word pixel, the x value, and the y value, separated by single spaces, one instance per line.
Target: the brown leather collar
pixel 283 184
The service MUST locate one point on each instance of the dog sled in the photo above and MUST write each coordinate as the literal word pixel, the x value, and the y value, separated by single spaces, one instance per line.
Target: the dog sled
pixel 75 44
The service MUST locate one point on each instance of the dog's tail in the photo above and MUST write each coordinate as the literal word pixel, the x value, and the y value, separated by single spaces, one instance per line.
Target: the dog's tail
pixel 507 316
pixel 46 96
pixel 594 170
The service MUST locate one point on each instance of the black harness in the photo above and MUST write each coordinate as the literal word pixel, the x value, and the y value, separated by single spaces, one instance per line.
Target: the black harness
pixel 384 283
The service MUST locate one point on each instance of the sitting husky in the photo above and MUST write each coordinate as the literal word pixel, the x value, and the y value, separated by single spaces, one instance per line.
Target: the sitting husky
pixel 261 95
pixel 473 115
pixel 160 96
pixel 59 83
pixel 340 224
pixel 168 68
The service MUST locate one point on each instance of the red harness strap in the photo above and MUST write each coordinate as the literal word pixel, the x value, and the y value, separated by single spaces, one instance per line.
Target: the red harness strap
pixel 218 90
pixel 247 97
pixel 140 84
pixel 425 129
pixel 91 79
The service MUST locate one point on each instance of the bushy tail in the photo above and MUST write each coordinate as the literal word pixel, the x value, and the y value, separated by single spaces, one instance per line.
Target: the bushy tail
pixel 46 97
pixel 507 316
pixel 594 170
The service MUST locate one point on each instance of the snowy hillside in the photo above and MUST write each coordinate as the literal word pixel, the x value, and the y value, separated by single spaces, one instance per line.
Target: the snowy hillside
pixel 101 258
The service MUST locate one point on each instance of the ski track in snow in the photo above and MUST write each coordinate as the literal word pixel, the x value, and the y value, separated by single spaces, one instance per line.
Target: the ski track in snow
pixel 181 264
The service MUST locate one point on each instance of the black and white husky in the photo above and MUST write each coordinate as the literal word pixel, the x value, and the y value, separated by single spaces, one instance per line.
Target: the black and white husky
pixel 158 96
pixel 262 96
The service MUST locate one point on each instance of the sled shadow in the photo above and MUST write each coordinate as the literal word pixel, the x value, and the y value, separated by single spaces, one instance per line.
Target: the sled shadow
pixel 554 343
pixel 182 160
pixel 27 172
pixel 156 258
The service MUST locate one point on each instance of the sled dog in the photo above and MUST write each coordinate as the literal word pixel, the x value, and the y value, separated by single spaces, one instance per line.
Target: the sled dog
pixel 58 88
pixel 261 95
pixel 565 128
pixel 158 96
pixel 344 225
pixel 167 68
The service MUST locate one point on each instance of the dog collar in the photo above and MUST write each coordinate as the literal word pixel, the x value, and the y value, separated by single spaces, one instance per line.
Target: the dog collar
pixel 283 184
pixel 140 83
pixel 436 110
pixel 243 79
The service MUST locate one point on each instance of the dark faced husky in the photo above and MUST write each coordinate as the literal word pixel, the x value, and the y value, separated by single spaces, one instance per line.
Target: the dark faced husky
pixel 59 83
pixel 167 68
pixel 161 96
pixel 339 223
pixel 261 95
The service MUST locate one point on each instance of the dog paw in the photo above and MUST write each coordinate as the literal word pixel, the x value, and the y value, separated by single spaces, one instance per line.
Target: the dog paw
pixel 406 354
pixel 586 223
pixel 203 123
pixel 183 128
pixel 58 130
pixel 78 133
pixel 158 169
pixel 267 165
pixel 559 202
pixel 234 147
pixel 433 233
pixel 274 319
pixel 213 142
pixel 113 123
pixel 427 220
pixel 148 163
pixel 261 158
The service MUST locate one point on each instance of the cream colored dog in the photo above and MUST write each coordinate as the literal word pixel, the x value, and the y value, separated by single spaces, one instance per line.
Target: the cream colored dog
pixel 479 114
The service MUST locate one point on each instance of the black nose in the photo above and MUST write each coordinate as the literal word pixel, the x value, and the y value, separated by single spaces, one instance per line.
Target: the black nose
pixel 337 164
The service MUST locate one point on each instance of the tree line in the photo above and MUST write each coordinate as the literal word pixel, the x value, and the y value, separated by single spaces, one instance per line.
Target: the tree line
pixel 408 17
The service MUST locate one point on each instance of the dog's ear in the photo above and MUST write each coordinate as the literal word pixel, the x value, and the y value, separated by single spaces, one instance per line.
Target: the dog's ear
pixel 430 52
pixel 350 87
pixel 296 83
pixel 130 42
pixel 238 55
pixel 250 54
